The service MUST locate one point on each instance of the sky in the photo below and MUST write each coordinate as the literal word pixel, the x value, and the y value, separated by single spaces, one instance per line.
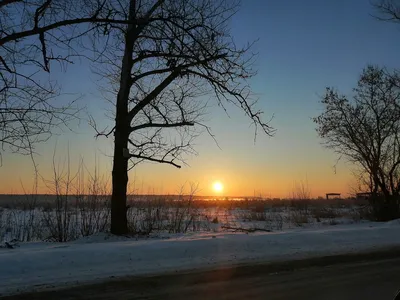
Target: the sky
pixel 302 47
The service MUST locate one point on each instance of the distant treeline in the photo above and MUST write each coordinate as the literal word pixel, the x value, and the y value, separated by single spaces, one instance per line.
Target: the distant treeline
pixel 48 201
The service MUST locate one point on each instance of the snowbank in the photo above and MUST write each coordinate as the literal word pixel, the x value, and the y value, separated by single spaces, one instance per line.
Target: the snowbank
pixel 38 265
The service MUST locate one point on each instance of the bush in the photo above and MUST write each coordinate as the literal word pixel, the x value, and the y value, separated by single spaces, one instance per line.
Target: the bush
pixel 298 217
pixel 384 209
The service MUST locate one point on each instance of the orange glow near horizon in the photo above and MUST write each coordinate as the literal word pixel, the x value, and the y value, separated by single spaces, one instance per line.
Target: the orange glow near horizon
pixel 169 181
pixel 215 173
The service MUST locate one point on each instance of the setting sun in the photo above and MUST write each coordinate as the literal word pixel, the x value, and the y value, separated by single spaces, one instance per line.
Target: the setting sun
pixel 218 187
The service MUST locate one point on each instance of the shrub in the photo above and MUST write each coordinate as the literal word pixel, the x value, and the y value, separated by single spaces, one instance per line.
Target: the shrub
pixel 298 217
pixel 385 208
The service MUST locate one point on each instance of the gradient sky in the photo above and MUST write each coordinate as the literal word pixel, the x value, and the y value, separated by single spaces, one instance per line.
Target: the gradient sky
pixel 303 46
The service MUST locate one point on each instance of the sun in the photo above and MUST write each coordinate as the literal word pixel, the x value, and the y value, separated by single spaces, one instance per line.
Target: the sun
pixel 218 187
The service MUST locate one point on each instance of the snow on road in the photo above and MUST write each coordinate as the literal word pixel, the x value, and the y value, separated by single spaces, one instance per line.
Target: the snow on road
pixel 38 265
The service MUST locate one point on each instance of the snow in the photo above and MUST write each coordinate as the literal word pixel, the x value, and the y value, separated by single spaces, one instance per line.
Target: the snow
pixel 35 266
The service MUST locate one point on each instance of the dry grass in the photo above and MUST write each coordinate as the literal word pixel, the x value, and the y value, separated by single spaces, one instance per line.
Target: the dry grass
pixel 298 217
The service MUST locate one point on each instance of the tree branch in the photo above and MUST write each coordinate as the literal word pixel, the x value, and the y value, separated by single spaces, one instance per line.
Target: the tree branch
pixel 156 125
pixel 178 71
pixel 39 30
pixel 156 160
pixel 6 2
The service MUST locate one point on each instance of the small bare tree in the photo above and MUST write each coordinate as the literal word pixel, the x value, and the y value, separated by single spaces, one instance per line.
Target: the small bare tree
pixel 161 71
pixel 366 131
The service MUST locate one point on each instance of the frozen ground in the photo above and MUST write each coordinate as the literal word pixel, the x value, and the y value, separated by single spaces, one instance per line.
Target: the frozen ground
pixel 41 265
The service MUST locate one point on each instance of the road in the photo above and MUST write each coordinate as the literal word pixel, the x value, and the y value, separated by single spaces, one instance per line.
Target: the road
pixel 365 280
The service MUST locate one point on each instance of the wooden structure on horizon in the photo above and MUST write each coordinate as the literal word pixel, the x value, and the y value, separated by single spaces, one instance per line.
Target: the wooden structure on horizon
pixel 332 196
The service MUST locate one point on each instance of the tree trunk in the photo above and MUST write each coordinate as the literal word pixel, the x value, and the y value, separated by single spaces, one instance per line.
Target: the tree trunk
pixel 119 223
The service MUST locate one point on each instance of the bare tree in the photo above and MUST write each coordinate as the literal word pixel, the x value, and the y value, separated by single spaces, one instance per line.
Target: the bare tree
pixel 366 131
pixel 162 73
pixel 33 36
pixel 388 10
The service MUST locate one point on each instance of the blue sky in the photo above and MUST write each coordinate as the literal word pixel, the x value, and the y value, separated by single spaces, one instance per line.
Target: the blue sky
pixel 303 47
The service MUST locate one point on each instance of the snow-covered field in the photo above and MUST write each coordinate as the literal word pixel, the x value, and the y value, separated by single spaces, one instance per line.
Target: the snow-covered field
pixel 70 222
pixel 39 265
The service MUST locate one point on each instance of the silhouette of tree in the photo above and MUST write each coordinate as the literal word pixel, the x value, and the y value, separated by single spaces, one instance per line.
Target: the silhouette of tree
pixel 161 72
pixel 366 130
pixel 163 57
pixel 34 35
pixel 389 10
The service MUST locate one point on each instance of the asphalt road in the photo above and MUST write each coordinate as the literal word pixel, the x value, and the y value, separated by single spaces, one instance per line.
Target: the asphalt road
pixel 365 280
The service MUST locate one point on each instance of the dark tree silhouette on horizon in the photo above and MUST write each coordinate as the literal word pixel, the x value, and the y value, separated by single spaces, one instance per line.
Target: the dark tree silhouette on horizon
pixel 365 129
pixel 161 72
